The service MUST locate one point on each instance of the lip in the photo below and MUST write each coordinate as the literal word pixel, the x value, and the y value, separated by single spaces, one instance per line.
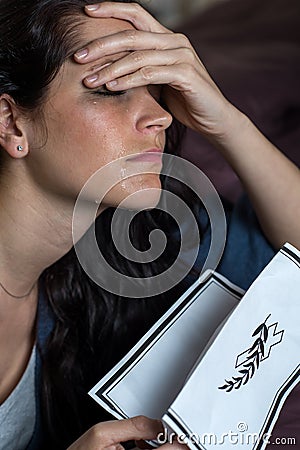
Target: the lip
pixel 151 155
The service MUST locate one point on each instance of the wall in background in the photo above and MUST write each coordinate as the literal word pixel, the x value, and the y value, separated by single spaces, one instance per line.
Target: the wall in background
pixel 173 12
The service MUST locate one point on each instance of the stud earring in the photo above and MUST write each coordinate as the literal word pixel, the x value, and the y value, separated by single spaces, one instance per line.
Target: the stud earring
pixel 20 148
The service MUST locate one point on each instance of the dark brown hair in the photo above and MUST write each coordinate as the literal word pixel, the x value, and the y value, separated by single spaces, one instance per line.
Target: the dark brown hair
pixel 93 328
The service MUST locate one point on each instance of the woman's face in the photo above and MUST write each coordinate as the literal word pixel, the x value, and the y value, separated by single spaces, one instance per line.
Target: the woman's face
pixel 87 129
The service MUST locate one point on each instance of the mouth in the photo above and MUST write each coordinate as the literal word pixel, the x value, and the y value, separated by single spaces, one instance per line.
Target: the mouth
pixel 153 155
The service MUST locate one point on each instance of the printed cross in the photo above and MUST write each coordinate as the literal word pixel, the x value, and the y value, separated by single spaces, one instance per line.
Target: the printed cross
pixel 273 339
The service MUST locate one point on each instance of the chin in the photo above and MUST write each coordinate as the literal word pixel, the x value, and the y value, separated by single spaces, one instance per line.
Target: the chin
pixel 136 193
pixel 143 199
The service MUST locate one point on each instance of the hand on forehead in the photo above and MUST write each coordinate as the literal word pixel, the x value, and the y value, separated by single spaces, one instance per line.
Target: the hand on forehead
pixel 100 30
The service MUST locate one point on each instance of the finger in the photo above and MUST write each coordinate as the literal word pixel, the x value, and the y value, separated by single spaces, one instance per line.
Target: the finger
pixel 116 431
pixel 130 40
pixel 135 61
pixel 175 76
pixel 132 12
pixel 115 447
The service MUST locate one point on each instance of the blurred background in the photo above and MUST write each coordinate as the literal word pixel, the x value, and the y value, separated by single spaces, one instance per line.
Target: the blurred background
pixel 251 48
pixel 173 12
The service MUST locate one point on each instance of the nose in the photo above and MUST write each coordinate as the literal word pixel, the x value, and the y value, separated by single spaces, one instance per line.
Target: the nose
pixel 152 117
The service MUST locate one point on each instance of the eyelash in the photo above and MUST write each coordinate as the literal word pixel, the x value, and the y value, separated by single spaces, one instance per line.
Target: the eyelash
pixel 106 93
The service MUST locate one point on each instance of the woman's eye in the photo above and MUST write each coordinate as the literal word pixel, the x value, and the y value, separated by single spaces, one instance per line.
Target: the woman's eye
pixel 106 93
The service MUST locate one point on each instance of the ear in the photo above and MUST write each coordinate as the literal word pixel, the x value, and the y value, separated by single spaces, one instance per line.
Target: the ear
pixel 13 136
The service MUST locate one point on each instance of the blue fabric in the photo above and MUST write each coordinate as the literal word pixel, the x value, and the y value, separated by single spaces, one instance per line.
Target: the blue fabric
pixel 246 253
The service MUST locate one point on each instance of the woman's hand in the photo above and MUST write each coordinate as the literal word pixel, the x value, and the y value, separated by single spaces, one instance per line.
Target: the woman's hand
pixel 109 435
pixel 158 57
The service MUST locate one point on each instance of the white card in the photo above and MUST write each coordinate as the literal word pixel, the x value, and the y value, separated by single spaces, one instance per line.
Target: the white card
pixel 215 369
pixel 238 389
pixel 150 376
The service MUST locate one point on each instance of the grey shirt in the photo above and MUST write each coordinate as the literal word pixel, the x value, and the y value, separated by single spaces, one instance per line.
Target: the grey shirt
pixel 17 413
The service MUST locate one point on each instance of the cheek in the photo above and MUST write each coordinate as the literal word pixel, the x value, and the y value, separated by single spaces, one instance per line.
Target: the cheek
pixel 108 135
pixel 84 140
pixel 76 144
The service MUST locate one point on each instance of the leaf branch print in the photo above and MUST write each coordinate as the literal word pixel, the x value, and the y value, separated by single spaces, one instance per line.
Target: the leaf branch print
pixel 254 355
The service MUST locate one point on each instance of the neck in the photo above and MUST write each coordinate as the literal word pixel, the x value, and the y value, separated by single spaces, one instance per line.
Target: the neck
pixel 36 231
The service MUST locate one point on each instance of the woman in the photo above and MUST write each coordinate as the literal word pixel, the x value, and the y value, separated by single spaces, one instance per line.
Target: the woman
pixel 62 117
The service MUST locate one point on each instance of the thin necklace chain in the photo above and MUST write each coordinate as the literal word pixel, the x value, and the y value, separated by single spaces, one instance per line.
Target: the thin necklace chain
pixel 19 296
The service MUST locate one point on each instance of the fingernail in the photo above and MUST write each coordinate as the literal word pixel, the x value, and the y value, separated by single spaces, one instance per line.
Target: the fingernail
pixel 92 7
pixel 112 83
pixel 82 53
pixel 91 78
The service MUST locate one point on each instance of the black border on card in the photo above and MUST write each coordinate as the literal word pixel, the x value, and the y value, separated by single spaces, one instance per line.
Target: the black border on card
pixel 212 277
pixel 291 255
pixel 269 423
pixel 276 405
